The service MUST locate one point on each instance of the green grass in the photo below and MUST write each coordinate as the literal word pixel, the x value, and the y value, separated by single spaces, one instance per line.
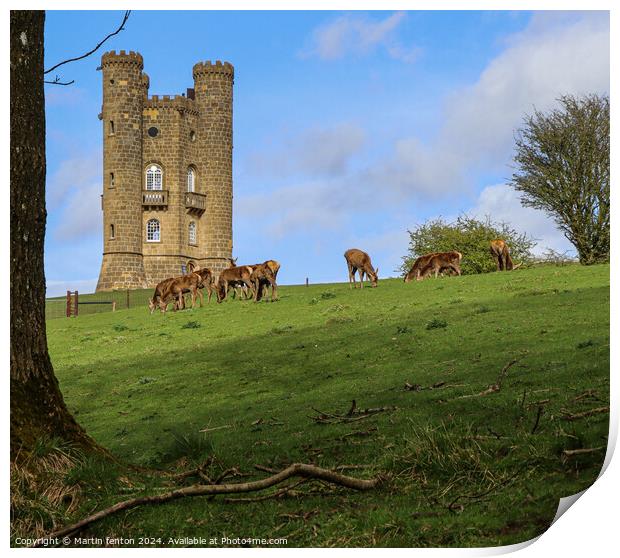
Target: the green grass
pixel 462 469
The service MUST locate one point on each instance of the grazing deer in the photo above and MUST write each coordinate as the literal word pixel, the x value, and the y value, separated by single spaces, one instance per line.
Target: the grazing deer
pixel 418 265
pixel 262 277
pixel 175 288
pixel 231 277
pixel 440 261
pixel 274 266
pixel 501 253
pixel 360 261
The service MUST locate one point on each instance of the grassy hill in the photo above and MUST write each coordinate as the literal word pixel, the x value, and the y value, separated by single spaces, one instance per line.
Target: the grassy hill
pixel 466 464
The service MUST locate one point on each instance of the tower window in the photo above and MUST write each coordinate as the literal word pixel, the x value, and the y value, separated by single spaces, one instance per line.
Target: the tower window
pixel 192 233
pixel 191 176
pixel 153 131
pixel 152 231
pixel 153 178
pixel 112 180
pixel 111 127
pixel 112 232
pixel 192 136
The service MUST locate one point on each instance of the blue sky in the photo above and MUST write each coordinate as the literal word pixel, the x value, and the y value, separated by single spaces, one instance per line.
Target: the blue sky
pixel 349 127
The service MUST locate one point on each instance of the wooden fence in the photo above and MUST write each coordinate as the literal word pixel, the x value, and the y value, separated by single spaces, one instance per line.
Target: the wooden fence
pixel 75 304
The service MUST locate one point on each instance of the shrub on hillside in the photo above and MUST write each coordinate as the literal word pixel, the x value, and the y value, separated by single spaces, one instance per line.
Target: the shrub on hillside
pixel 469 236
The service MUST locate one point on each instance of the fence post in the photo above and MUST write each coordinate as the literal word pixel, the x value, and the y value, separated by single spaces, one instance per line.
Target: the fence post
pixel 75 302
pixel 114 306
pixel 68 304
pixel 128 299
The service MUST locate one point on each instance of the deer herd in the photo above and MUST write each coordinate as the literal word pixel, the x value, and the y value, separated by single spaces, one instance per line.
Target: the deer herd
pixel 252 281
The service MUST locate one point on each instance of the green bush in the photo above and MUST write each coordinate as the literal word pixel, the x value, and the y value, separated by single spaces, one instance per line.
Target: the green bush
pixel 470 237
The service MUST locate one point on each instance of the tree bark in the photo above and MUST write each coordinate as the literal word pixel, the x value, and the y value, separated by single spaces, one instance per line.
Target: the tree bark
pixel 37 406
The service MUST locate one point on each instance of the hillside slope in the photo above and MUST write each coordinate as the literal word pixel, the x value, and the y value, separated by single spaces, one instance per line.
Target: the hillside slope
pixel 467 464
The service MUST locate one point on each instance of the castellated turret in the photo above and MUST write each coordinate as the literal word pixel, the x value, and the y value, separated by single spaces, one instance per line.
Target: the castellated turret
pixel 167 174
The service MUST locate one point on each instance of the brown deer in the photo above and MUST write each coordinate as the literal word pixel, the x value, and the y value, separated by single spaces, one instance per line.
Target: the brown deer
pixel 357 260
pixel 262 277
pixel 175 288
pixel 231 277
pixel 274 266
pixel 501 253
pixel 418 265
pixel 441 261
pixel 161 296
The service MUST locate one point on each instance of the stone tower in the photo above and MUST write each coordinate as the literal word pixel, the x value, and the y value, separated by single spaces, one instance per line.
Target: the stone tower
pixel 167 169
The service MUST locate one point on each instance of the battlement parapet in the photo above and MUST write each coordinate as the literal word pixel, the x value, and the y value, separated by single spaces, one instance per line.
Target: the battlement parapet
pixel 123 57
pixel 178 102
pixel 219 67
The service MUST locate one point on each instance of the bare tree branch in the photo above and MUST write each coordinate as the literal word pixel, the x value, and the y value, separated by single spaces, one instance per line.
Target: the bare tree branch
pixel 120 28
pixel 57 81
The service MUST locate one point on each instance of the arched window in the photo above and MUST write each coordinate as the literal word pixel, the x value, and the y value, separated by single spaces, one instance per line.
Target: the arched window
pixel 153 178
pixel 191 179
pixel 152 230
pixel 192 232
pixel 112 231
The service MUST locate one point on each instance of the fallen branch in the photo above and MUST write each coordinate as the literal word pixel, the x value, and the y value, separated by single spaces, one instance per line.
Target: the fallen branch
pixel 216 428
pixel 295 470
pixel 538 415
pixel 276 494
pixel 570 453
pixel 436 385
pixel 497 386
pixel 587 393
pixel 352 415
pixel 577 416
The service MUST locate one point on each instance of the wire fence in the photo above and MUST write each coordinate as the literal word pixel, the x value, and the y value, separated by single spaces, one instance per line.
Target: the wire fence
pixel 78 304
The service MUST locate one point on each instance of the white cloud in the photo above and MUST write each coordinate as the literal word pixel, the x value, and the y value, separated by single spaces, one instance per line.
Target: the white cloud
pixel 357 35
pixel 554 55
pixel 81 215
pixel 501 203
pixel 320 151
pixel 551 57
pixel 72 175
pixel 73 195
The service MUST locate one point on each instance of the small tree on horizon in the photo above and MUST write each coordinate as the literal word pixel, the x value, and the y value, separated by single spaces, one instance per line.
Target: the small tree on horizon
pixel 471 237
pixel 562 162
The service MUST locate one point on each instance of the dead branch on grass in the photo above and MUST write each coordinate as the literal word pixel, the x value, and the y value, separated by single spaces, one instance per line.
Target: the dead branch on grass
pixel 216 428
pixel 589 413
pixel 436 385
pixel 473 497
pixel 497 386
pixel 582 451
pixel 296 470
pixel 277 494
pixel 352 415
pixel 538 415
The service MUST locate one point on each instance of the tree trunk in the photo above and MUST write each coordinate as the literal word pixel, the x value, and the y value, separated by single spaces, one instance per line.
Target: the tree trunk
pixel 37 406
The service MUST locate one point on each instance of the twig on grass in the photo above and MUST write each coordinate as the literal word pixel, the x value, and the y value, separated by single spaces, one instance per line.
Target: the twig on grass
pixel 216 428
pixel 352 415
pixel 474 497
pixel 589 413
pixel 497 386
pixel 538 415
pixel 296 470
pixel 582 451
